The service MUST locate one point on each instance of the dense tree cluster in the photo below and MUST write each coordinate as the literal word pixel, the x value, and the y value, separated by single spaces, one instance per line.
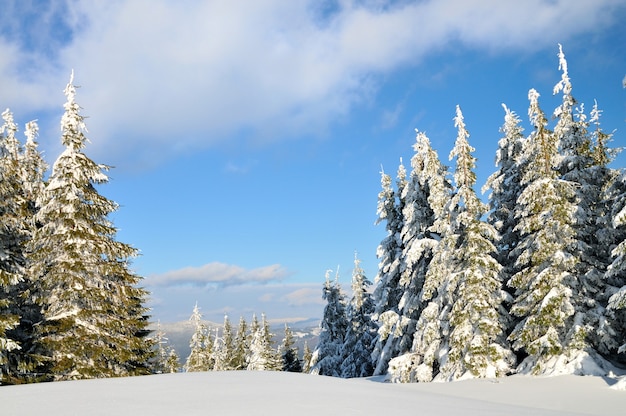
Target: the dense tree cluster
pixel 251 348
pixel 70 306
pixel 532 282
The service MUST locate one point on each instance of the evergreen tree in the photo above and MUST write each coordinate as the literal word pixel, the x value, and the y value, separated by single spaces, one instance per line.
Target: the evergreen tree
pixel 289 353
pixel 615 340
pixel 241 348
pixel 505 185
pixel 173 362
pixel 307 355
pixel 477 317
pixel 228 344
pixel 327 357
pixel 388 291
pixel 549 329
pixel 199 358
pixel 12 238
pixel 94 320
pixel 263 357
pixel 425 197
pixel 583 160
pixel 361 331
pixel 32 170
pixel 159 362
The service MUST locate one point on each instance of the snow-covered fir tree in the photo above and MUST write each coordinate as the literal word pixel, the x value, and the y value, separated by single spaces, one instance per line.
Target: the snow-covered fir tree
pixel 424 198
pixel 307 355
pixel 263 356
pixel 550 329
pixel 584 162
pixel 95 323
pixel 201 345
pixel 505 186
pixel 478 319
pixel 228 344
pixel 327 356
pixel 361 333
pixel 289 353
pixel 173 362
pixel 26 175
pixel 12 240
pixel 159 362
pixel 388 291
pixel 615 340
pixel 239 360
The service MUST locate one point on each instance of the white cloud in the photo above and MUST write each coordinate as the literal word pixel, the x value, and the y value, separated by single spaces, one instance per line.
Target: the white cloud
pixel 304 296
pixel 218 274
pixel 163 77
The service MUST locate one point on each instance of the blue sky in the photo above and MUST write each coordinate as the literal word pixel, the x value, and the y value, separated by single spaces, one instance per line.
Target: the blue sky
pixel 248 137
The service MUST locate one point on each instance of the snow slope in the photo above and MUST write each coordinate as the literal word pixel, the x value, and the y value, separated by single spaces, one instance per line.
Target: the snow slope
pixel 278 393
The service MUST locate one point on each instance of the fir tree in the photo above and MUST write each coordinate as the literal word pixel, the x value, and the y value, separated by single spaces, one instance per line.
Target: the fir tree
pixel 357 361
pixel 289 353
pixel 200 356
pixel 12 238
pixel 549 330
pixel 173 362
pixel 583 160
pixel 327 357
pixel 425 197
pixel 241 347
pixel 94 320
pixel 478 319
pixel 228 344
pixel 307 355
pixel 23 174
pixel 615 339
pixel 159 362
pixel 263 357
pixel 388 291
pixel 505 185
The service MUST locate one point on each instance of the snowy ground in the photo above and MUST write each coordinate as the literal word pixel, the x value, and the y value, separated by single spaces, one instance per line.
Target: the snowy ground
pixel 275 394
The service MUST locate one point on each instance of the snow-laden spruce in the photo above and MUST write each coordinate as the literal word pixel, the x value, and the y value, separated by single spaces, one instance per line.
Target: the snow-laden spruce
pixel 388 292
pixel 328 355
pixel 201 345
pixel 361 331
pixel 94 322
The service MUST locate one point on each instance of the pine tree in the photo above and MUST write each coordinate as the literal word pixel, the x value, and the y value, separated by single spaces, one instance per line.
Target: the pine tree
pixel 361 333
pixel 228 344
pixel 477 318
pixel 241 348
pixel 549 330
pixel 263 357
pixel 199 358
pixel 94 320
pixel 425 197
pixel 12 238
pixel 289 353
pixel 505 185
pixel 307 355
pixel 23 174
pixel 173 362
pixel 583 161
pixel 327 357
pixel 388 291
pixel 615 340
pixel 159 362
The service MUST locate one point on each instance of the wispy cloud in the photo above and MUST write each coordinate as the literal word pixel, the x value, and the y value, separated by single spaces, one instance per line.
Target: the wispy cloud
pixel 218 274
pixel 165 77
pixel 304 296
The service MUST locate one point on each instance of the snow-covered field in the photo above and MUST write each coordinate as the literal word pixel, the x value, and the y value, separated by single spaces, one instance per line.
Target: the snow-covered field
pixel 278 393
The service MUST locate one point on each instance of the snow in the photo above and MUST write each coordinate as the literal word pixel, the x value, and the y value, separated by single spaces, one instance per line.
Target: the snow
pixel 282 393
